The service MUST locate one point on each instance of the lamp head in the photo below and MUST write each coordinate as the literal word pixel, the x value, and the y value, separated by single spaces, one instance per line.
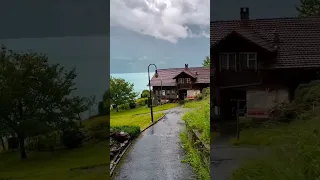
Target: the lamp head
pixel 156 74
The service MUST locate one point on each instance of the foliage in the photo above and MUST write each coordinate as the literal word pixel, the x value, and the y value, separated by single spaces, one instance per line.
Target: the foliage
pixel 133 131
pixel 98 127
pixel 35 96
pixel 132 105
pixel 309 8
pixel 121 92
pixel 145 94
pixel 204 94
pixel 206 62
pixel 199 118
pixel 194 158
pixel 306 98
pixel 72 138
pixel 45 142
pixel 295 145
pixel 142 102
pixel 102 109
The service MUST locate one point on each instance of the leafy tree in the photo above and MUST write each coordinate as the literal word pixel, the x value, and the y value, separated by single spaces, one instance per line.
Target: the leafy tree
pixel 145 93
pixel 309 8
pixel 35 96
pixel 121 92
pixel 206 62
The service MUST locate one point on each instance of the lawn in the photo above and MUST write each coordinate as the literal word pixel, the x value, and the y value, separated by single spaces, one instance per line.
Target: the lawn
pixel 295 151
pixel 138 116
pixel 57 165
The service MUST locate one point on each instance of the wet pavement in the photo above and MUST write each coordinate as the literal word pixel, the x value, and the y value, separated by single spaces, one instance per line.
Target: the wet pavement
pixel 157 153
pixel 226 158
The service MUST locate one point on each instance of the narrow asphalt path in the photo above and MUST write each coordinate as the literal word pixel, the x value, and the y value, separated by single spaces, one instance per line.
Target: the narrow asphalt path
pixel 157 153
pixel 226 158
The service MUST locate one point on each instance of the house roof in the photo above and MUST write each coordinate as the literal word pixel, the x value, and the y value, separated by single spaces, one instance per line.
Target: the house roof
pixel 299 44
pixel 167 75
pixel 186 71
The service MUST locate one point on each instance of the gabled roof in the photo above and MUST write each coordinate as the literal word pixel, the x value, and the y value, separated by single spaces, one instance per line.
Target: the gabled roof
pixel 250 36
pixel 299 38
pixel 186 71
pixel 167 76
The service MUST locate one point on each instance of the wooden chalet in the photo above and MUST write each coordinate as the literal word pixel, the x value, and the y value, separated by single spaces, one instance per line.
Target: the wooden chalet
pixel 260 62
pixel 180 83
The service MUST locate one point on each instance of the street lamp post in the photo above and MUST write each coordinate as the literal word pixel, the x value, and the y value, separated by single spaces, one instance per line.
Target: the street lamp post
pixel 161 93
pixel 155 75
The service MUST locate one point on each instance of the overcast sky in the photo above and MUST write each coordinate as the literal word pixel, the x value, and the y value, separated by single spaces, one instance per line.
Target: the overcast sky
pixel 168 33
pixel 230 9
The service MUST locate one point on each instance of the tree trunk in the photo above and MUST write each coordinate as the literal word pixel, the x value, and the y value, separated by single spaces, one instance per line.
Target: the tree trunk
pixel 23 154
pixel 117 108
pixel 2 142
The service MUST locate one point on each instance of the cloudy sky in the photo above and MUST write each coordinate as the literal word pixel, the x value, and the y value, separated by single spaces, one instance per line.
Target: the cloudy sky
pixel 168 33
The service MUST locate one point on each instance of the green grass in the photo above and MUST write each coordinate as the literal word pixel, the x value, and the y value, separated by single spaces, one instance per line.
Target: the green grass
pixel 199 117
pixel 295 151
pixel 194 159
pixel 142 110
pixel 138 116
pixel 57 165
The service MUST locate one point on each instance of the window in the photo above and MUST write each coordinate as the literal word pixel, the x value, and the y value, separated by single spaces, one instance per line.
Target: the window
pixel 228 61
pixel 248 61
pixel 181 81
pixel 188 80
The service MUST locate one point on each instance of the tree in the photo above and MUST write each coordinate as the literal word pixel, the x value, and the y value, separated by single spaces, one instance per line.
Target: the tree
pixel 145 93
pixel 206 62
pixel 309 8
pixel 121 92
pixel 35 96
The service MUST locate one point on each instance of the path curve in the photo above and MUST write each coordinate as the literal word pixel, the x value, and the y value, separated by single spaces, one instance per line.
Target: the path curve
pixel 156 154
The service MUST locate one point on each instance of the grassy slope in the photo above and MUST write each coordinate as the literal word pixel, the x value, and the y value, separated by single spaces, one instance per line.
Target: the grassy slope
pixel 56 165
pixel 198 118
pixel 296 152
pixel 138 116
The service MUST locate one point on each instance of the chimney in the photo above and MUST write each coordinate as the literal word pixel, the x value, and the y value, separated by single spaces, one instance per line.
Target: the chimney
pixel 244 13
pixel 186 66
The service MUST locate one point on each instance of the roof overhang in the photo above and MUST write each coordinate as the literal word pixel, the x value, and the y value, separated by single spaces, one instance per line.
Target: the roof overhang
pixel 250 37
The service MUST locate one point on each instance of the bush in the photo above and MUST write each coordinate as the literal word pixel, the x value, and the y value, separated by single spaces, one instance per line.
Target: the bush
pixel 72 138
pixel 133 131
pixel 101 134
pixel 102 109
pixel 132 105
pixel 46 142
pixel 142 102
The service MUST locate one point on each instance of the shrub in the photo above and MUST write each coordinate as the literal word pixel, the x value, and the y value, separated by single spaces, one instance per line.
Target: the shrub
pixel 102 109
pixel 133 131
pixel 72 138
pixel 46 142
pixel 101 134
pixel 132 105
pixel 142 102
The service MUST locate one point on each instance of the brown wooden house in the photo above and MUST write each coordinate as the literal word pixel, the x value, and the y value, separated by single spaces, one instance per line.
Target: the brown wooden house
pixel 261 61
pixel 180 83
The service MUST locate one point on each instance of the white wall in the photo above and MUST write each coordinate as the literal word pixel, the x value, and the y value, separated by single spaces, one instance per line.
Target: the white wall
pixel 260 101
pixel 192 93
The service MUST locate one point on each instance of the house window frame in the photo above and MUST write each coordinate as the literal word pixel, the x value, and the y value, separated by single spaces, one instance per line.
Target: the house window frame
pixel 180 80
pixel 187 80
pixel 255 68
pixel 228 61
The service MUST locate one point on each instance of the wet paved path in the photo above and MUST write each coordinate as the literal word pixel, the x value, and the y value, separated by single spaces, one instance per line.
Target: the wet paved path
pixel 225 158
pixel 157 154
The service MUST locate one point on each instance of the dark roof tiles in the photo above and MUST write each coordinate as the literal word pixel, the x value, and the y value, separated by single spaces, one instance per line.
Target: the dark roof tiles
pixel 167 75
pixel 299 38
